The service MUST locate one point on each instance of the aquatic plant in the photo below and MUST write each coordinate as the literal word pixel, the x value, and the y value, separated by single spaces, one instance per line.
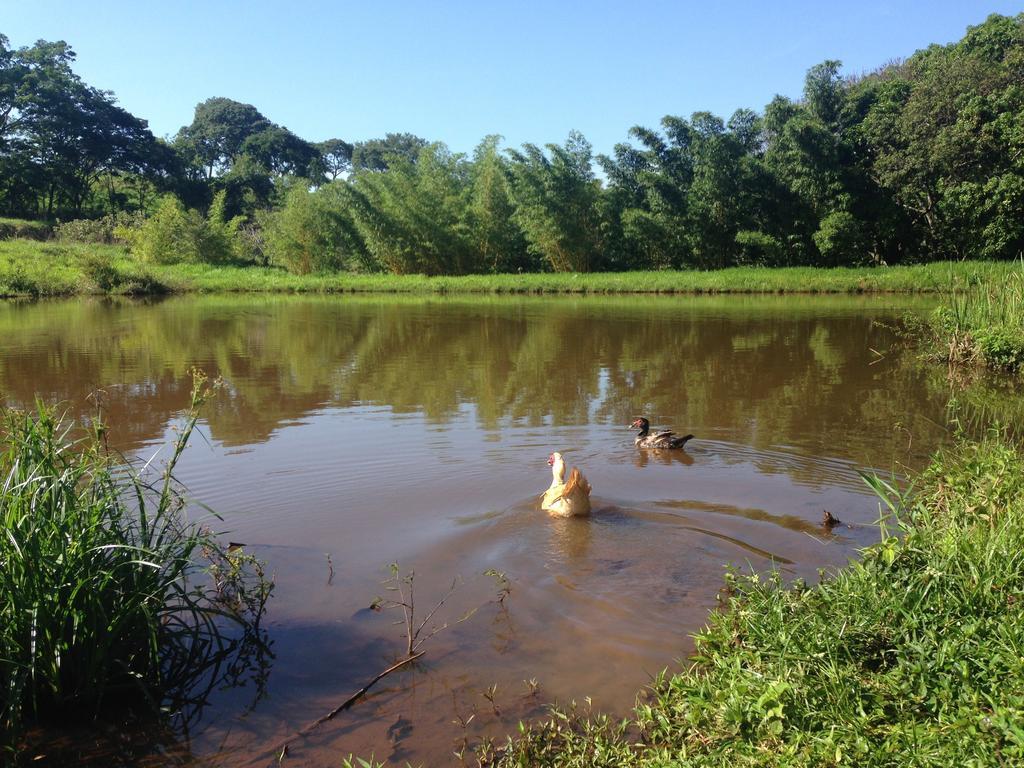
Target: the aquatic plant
pixel 104 597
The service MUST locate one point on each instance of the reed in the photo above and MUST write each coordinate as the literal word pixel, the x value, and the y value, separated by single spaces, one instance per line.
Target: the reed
pixel 981 324
pixel 103 595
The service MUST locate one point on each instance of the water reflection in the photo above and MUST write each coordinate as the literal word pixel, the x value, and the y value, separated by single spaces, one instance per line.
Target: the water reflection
pixel 750 368
pixel 663 456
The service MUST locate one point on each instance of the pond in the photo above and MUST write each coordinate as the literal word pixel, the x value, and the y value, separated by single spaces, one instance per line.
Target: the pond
pixel 353 432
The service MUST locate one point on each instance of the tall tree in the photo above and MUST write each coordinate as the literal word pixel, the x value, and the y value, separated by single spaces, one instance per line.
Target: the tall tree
pixel 336 157
pixel 58 135
pixel 234 147
pixel 557 200
pixel 412 216
pixel 495 233
pixel 378 154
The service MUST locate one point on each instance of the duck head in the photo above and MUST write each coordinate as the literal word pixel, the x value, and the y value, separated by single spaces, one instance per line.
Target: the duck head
pixel 557 464
pixel 641 423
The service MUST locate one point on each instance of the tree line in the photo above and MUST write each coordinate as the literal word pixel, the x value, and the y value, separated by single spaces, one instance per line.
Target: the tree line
pixel 921 159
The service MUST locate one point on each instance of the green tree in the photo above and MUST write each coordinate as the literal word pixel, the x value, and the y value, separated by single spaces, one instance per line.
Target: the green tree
pixel 175 234
pixel 493 229
pixel 649 190
pixel 58 135
pixel 315 231
pixel 233 147
pixel 557 200
pixel 945 131
pixel 412 216
pixel 336 156
pixel 378 154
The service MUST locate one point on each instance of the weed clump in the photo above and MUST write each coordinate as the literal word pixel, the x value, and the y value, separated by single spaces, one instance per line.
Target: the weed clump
pixel 104 598
pixel 982 324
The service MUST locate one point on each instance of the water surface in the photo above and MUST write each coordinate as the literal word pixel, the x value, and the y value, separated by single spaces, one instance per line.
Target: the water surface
pixel 355 432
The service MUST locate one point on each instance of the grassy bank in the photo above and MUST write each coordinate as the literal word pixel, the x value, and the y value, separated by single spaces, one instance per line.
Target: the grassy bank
pixel 979 325
pixel 56 269
pixel 24 228
pixel 912 656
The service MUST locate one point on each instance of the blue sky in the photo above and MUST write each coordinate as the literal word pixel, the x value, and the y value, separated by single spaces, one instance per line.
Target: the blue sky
pixel 457 71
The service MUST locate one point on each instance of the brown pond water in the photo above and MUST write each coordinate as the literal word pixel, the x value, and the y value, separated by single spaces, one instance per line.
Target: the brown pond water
pixel 416 430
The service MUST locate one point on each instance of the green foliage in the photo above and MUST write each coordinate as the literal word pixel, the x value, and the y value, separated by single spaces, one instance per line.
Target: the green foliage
pixel 102 230
pixel 412 216
pixel 314 232
pixel 58 136
pixel 758 248
pixel 232 147
pixel 944 129
pixel 1001 347
pixel 556 203
pixel 173 234
pixel 379 154
pixel 336 156
pixel 101 596
pixel 921 160
pixel 841 239
pixel 980 323
pixel 491 213
pixel 46 269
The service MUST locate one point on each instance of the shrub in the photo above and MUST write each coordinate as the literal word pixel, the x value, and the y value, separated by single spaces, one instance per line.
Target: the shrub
pixel 842 239
pixel 758 248
pixel 313 232
pixel 114 228
pixel 173 234
pixel 1001 347
pixel 108 277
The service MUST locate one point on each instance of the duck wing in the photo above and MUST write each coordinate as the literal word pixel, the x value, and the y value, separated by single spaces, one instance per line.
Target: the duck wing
pixel 577 484
pixel 679 442
pixel 552 495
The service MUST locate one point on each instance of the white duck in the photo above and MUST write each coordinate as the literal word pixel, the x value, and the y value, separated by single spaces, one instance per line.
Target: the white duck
pixel 566 499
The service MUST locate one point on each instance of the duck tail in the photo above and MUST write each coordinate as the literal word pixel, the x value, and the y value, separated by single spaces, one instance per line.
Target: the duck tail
pixel 684 440
pixel 576 480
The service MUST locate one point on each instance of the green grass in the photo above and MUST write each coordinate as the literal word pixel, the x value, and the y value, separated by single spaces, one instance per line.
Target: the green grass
pixel 29 268
pixel 62 269
pixel 913 656
pixel 103 601
pixel 978 324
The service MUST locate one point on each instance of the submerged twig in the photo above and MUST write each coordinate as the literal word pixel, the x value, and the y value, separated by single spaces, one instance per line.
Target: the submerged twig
pixel 281 749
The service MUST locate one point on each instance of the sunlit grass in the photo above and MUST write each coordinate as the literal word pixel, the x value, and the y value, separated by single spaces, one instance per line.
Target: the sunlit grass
pixel 980 323
pixel 55 269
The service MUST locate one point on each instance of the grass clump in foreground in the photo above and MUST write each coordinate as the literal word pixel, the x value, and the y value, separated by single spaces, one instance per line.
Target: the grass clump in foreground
pixel 103 597
pixel 979 325
pixel 913 656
